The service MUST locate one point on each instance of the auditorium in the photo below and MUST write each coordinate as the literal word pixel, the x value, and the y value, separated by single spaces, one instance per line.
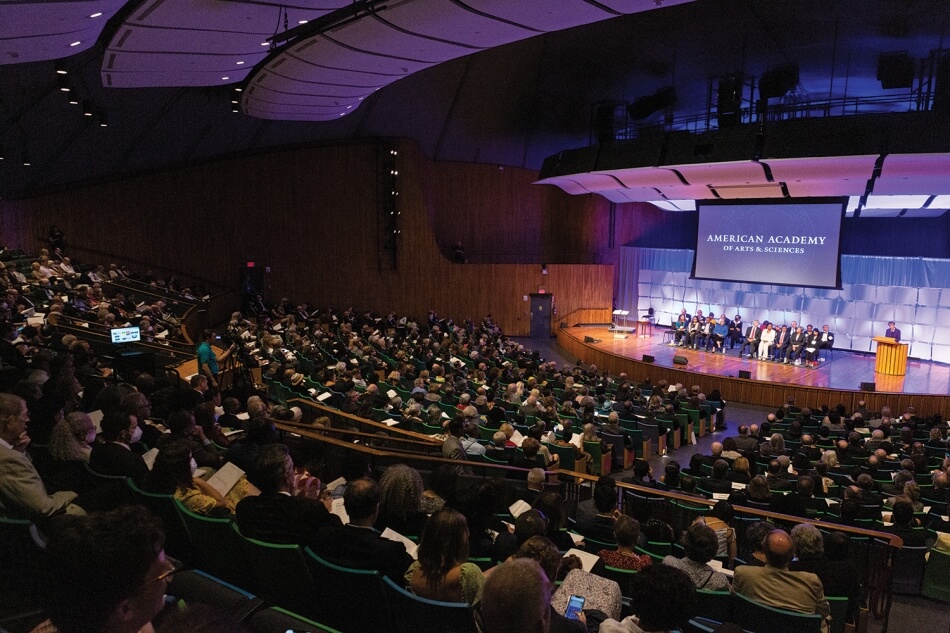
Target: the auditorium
pixel 549 315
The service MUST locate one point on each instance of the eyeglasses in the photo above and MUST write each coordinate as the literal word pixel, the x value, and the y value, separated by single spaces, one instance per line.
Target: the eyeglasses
pixel 171 566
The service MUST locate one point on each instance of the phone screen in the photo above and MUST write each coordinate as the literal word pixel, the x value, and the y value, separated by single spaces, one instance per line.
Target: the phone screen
pixel 574 606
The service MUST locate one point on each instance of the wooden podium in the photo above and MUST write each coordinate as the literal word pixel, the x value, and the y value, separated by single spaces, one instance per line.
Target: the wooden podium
pixel 891 356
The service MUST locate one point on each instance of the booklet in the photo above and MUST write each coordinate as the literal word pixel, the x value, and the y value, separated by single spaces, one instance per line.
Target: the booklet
pixel 393 535
pixel 338 509
pixel 149 457
pixel 588 560
pixel 517 438
pixel 518 508
pixel 390 422
pixel 225 478
pixel 96 417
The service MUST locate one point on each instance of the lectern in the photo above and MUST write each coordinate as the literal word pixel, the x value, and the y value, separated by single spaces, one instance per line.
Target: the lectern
pixel 891 356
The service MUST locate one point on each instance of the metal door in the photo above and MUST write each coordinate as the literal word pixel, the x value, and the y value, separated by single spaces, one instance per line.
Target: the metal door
pixel 541 315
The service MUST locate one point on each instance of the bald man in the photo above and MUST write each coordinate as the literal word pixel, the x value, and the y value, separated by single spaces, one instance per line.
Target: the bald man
pixel 776 586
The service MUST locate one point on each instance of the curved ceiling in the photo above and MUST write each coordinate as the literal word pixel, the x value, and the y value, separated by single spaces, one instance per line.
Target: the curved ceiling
pixel 491 81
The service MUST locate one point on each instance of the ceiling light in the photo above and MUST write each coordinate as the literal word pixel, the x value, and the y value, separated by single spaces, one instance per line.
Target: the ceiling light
pixel 73 99
pixel 60 70
pixel 95 15
pixel 103 120
pixel 239 90
pixel 225 78
pixel 86 108
pixel 302 21
pixel 2 153
pixel 77 43
pixel 26 159
pixel 240 63
pixel 265 43
pixel 234 100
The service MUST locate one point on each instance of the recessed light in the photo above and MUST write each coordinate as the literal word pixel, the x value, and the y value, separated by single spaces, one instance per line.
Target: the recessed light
pixel 239 90
pixel 302 21
pixel 75 43
pixel 95 15
pixel 225 78
pixel 265 43
pixel 240 63
pixel 348 107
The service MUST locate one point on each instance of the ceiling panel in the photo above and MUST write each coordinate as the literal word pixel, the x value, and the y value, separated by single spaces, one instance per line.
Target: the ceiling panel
pixel 170 78
pixel 449 20
pixel 373 35
pixel 915 165
pixel 207 15
pixel 244 46
pixel 932 184
pixel 544 15
pixel 823 168
pixel 569 185
pixel 37 31
pixel 645 177
pixel 745 172
pixel 825 188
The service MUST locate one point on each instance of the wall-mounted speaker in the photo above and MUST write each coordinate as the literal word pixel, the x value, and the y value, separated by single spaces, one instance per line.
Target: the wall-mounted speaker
pixel 648 359
pixel 589 339
pixel 867 386
pixel 744 374
pixel 680 360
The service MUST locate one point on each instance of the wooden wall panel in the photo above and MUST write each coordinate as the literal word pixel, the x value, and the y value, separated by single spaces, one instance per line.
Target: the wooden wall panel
pixel 310 215
pixel 746 391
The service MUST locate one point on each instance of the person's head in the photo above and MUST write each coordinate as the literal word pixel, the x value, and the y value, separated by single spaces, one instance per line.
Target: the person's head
pixel 757 532
pixel 530 447
pixel 275 469
pixel 400 489
pixel 723 511
pixel 605 495
pixel 837 546
pixel 700 543
pixel 14 417
pixel 626 531
pixel 759 488
pixel 516 599
pixel 137 404
pixel 778 548
pixel 808 541
pixel 542 550
pixel 741 465
pixel 105 571
pixel 173 468
pixel 181 423
pixel 71 437
pixel 444 545
pixel 903 514
pixel 665 597
pixel 720 469
pixel 530 523
pixel 536 478
pixel 551 505
pixel 120 427
pixel 361 501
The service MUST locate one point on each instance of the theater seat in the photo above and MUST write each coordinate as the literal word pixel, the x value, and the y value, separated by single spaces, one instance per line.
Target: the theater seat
pixel 278 620
pixel 412 614
pixel 759 618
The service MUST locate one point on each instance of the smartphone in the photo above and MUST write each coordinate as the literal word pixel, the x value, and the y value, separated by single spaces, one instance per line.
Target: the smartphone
pixel 574 606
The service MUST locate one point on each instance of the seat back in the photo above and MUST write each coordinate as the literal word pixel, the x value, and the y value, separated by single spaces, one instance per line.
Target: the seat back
pixel 714 605
pixel 280 575
pixel 760 618
pixel 936 584
pixel 197 586
pixel 177 540
pixel 596 460
pixel 908 573
pixel 217 547
pixel 412 614
pixel 278 620
pixel 339 586
pixel 20 561
pixel 622 577
pixel 565 455
pixel 839 612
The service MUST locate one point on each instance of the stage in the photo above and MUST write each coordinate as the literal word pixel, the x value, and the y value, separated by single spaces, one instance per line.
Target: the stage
pixel 838 379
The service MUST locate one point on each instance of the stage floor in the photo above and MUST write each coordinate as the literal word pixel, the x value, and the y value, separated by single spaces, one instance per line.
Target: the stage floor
pixel 841 370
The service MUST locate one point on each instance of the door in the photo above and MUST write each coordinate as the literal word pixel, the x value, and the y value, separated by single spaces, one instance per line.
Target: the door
pixel 541 315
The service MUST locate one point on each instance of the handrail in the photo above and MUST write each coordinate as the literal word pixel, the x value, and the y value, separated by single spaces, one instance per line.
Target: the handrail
pixel 328 411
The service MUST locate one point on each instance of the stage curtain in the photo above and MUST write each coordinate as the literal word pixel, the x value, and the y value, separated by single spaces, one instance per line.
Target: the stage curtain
pixel 912 272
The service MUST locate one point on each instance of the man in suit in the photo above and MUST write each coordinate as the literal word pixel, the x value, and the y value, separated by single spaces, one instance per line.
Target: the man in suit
pixel 275 516
pixel 776 586
pixel 357 544
pixel 452 447
pixel 751 339
pixel 893 332
pixel 795 346
pixel 826 338
pixel 782 340
pixel 22 493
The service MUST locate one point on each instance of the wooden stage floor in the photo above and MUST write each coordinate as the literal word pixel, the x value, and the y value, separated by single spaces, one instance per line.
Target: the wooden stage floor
pixel 843 370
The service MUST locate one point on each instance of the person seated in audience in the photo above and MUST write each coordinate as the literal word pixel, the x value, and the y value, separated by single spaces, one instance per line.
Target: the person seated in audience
pixel 754 535
pixel 718 481
pixel 400 489
pixel 546 554
pixel 70 446
pixel 777 479
pixel 452 447
pixel 627 537
pixel 114 456
pixel 838 576
pixel 516 599
pixel 551 506
pixel 442 573
pixel 666 599
pixel 719 519
pixel 174 474
pixel 442 483
pixel 581 457
pixel 745 442
pixel 774 585
pixel 105 573
pixel 906 526
pixel 799 502
pixel 181 425
pixel 701 544
pixel 740 472
pixel 357 544
pixel 596 516
pixel 276 515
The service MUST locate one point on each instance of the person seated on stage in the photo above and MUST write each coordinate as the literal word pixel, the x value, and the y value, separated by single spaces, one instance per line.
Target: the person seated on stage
pixel 693 332
pixel 811 346
pixel 766 340
pixel 751 339
pixel 720 331
pixel 680 330
pixel 735 332
pixel 796 346
pixel 826 340
pixel 705 334
pixel 782 340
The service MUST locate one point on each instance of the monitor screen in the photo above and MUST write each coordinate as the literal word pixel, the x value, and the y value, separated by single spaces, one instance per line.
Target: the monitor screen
pixel 794 243
pixel 125 334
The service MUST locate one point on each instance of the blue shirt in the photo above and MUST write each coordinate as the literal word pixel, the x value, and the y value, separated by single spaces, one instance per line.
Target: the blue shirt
pixel 206 356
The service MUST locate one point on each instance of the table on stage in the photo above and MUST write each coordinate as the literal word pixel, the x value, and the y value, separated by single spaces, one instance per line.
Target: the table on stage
pixel 891 356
